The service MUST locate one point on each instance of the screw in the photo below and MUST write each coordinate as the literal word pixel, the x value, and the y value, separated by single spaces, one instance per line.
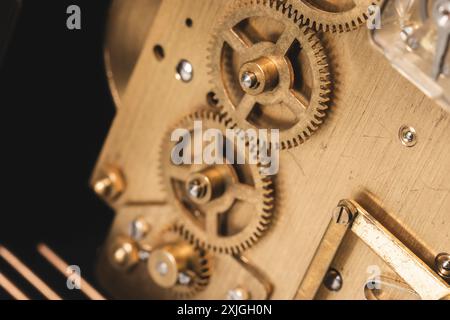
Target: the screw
pixel 138 228
pixel 185 71
pixel 342 215
pixel 197 189
pixel 408 136
pixel 110 185
pixel 120 255
pixel 238 294
pixel 249 80
pixel 407 35
pixel 162 268
pixel 184 279
pixel 443 14
pixel 333 280
pixel 442 263
pixel 103 187
pixel 125 254
pixel 143 255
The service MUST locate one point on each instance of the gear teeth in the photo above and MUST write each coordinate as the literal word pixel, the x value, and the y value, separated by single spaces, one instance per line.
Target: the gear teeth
pixel 223 120
pixel 319 64
pixel 202 279
pixel 334 22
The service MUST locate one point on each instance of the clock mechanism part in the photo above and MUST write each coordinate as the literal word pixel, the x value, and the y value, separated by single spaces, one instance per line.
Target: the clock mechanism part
pixel 415 38
pixel 270 72
pixel 172 268
pixel 224 208
pixel 351 127
pixel 333 15
pixel 177 266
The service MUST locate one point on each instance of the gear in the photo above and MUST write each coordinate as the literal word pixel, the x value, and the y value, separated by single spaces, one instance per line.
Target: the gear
pixel 226 207
pixel 330 15
pixel 269 72
pixel 179 269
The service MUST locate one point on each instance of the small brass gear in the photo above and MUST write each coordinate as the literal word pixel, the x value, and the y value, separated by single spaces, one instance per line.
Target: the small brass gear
pixel 179 269
pixel 330 15
pixel 270 72
pixel 224 208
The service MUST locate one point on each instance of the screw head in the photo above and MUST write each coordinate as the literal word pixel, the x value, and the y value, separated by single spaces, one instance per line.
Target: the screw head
pixel 103 187
pixel 138 228
pixel 408 136
pixel 238 294
pixel 342 215
pixel 442 263
pixel 441 13
pixel 333 280
pixel 249 80
pixel 162 268
pixel 204 186
pixel 185 71
pixel 197 189
pixel 124 254
pixel 110 184
pixel 184 279
pixel 120 255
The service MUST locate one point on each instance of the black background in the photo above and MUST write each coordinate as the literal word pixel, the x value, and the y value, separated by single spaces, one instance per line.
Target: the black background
pixel 56 111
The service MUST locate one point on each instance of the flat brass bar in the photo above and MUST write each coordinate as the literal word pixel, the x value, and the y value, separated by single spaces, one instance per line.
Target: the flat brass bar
pixel 62 266
pixel 29 275
pixel 421 278
pixel 323 257
pixel 11 288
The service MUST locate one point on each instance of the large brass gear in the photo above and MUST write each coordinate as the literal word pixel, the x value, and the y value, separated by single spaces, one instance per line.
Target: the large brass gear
pixel 330 15
pixel 186 268
pixel 292 91
pixel 224 208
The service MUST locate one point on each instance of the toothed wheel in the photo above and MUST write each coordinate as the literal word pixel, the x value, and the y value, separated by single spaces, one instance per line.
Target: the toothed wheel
pixel 270 72
pixel 179 269
pixel 331 15
pixel 225 207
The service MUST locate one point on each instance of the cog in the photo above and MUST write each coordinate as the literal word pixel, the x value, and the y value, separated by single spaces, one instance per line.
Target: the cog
pixel 329 15
pixel 269 72
pixel 224 208
pixel 179 269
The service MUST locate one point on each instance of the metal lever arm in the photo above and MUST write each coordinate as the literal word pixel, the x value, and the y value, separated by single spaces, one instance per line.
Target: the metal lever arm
pixel 350 215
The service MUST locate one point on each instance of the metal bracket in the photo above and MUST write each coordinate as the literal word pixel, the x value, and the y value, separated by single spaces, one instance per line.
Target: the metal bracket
pixel 350 216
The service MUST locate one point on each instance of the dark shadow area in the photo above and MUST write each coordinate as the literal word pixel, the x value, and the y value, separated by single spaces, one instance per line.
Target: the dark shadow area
pixel 56 111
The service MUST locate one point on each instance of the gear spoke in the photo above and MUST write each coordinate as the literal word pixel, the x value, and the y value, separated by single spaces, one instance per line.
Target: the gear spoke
pixel 246 106
pixel 296 106
pixel 234 41
pixel 286 39
pixel 215 224
pixel 274 70
pixel 211 223
pixel 245 193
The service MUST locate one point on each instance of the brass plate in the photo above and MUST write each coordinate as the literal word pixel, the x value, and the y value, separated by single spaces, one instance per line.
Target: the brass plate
pixel 356 154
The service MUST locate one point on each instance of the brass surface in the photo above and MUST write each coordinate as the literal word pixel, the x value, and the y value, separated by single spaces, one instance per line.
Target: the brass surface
pixel 356 154
pixel 128 24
